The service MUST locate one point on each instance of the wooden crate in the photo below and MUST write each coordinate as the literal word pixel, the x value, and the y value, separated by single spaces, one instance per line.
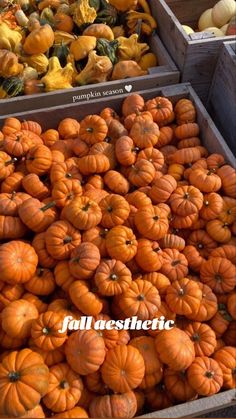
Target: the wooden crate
pixel 195 57
pixel 211 138
pixel 164 74
pixel 222 97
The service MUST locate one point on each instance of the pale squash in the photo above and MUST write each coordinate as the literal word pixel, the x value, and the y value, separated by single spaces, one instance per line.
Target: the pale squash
pixel 223 11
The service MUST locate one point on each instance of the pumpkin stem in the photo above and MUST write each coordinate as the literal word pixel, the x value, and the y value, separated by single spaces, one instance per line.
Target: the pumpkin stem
pixel 186 195
pixel 13 376
pixel 68 175
pixel 103 232
pixel 174 262
pixel 195 337
pixel 67 239
pixel 157 249
pixel 89 129
pixel 86 207
pixel 46 331
pixel 40 272
pixel 12 161
pixel 140 297
pixel 109 209
pixel 156 218
pixel 47 206
pixel 209 374
pixel 13 194
pixel 181 291
pixel 113 277
pixel 218 277
pixel 128 242
pixel 64 384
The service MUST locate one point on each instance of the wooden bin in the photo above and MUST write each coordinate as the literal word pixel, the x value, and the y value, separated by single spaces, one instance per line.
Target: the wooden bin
pixel 195 57
pixel 211 138
pixel 164 74
pixel 222 97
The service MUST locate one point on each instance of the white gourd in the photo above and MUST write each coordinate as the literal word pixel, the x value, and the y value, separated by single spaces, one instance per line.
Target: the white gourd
pixel 187 29
pixel 205 20
pixel 223 11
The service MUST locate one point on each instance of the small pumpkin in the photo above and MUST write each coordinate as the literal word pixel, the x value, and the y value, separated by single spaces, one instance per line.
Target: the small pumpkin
pixel 205 376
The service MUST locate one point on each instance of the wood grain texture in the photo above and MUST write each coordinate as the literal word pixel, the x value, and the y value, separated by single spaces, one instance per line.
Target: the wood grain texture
pixel 165 73
pixel 196 407
pixel 222 96
pixel 196 58
pixel 211 137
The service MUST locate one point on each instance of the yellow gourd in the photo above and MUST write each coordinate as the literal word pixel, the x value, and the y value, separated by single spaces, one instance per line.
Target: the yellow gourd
pixel 9 65
pixel 126 69
pixel 97 70
pixel 82 12
pixel 62 37
pixel 148 61
pixel 130 48
pixel 187 29
pixel 81 47
pixel 99 30
pixel 9 39
pixel 57 77
pixel 37 61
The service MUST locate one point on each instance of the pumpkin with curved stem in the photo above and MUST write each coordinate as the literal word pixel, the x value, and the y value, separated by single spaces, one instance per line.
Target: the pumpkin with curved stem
pixel 84 297
pixel 37 215
pixel 205 376
pixel 184 297
pixel 64 191
pixel 41 283
pixel 9 203
pixel 45 331
pixel 18 262
pixel 226 358
pixel 203 337
pixel 112 277
pixel 205 180
pixel 85 351
pixel 82 213
pixel 177 385
pixel 141 299
pixel 64 171
pixel 153 366
pixel 148 255
pixel 64 389
pixel 19 143
pixel 12 183
pixel 219 274
pixel 141 173
pixel 115 210
pixel 180 354
pixel 219 231
pixel 121 243
pixel 97 236
pixel 61 238
pixel 212 206
pixel 116 372
pixel 23 314
pixel 22 372
pixel 85 259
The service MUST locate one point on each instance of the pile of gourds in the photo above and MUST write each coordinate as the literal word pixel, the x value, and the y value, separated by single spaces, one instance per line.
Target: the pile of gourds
pixel 48 45
pixel 115 216
pixel 219 20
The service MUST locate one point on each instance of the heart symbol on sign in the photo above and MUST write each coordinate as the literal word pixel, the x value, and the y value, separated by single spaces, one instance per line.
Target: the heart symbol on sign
pixel 128 87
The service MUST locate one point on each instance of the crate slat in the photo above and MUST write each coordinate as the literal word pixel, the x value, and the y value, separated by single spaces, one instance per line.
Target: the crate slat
pixel 222 96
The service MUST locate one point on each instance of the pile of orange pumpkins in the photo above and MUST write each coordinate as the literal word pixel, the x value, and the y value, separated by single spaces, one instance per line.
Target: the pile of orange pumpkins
pixel 115 216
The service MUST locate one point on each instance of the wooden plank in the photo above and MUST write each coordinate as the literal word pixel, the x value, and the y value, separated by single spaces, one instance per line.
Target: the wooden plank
pixel 211 137
pixel 165 73
pixel 222 96
pixel 196 58
pixel 197 407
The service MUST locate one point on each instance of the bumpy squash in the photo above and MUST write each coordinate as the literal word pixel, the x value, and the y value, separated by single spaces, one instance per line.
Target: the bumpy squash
pixel 108 49
pixel 83 13
pixel 97 70
pixel 126 69
pixel 57 77
pixel 37 61
pixel 9 65
pixel 9 38
pixel 11 87
pixel 130 48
